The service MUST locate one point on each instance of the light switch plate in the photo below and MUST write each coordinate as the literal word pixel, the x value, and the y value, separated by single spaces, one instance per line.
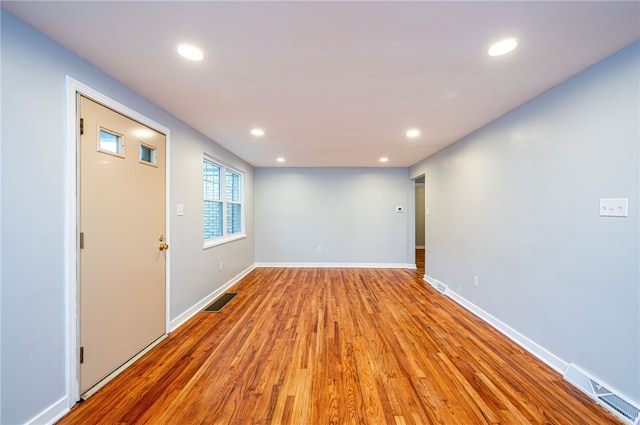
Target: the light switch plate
pixel 180 209
pixel 614 207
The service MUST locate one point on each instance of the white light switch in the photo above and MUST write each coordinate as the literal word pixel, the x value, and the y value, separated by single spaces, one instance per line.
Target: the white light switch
pixel 614 207
pixel 180 209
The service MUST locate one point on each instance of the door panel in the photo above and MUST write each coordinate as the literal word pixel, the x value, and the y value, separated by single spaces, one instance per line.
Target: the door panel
pixel 122 219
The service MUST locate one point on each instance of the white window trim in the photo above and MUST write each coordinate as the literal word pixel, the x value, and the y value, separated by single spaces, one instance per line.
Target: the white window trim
pixel 226 238
pixel 210 243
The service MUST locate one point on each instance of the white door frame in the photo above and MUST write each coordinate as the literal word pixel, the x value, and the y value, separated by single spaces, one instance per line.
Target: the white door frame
pixel 71 242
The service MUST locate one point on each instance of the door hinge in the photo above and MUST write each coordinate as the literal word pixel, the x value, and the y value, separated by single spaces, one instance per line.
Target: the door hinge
pixel 81 240
pixel 81 126
pixel 81 355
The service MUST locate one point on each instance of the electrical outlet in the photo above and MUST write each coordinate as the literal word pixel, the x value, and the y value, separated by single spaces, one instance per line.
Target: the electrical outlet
pixel 476 283
pixel 220 266
pixel 319 248
pixel 614 207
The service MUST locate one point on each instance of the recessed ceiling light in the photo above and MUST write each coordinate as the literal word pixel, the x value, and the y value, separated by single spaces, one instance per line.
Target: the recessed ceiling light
pixel 413 133
pixel 257 132
pixel 190 52
pixel 280 159
pixel 502 47
pixel 384 159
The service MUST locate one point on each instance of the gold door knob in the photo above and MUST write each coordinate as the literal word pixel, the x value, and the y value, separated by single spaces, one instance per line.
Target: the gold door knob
pixel 163 246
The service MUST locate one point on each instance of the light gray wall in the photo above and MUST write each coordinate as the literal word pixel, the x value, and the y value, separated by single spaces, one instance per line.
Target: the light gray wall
pixel 194 271
pixel 33 214
pixel 420 217
pixel 350 212
pixel 516 203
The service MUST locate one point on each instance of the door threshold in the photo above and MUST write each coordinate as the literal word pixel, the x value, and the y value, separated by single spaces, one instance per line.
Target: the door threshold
pixel 97 387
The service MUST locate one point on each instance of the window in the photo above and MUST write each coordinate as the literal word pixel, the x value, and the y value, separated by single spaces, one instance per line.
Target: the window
pixel 234 207
pixel 148 154
pixel 223 203
pixel 213 219
pixel 110 142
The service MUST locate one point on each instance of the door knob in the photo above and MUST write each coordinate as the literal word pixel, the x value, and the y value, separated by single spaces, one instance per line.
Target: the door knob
pixel 163 246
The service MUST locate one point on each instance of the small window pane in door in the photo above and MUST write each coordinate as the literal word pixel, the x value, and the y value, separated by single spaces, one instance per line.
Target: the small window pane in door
pixel 147 154
pixel 111 142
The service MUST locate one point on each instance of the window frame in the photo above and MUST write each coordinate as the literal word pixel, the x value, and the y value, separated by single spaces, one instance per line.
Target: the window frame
pixel 226 237
pixel 153 154
pixel 119 139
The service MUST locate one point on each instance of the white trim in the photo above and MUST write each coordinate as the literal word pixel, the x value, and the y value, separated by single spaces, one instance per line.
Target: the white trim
pixel 167 225
pixel 71 223
pixel 51 414
pixel 210 243
pixel 71 245
pixel 532 347
pixel 341 265
pixel 200 305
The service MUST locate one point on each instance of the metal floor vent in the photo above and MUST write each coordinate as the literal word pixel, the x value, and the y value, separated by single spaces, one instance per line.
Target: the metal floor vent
pixel 615 402
pixel 607 398
pixel 220 302
pixel 440 287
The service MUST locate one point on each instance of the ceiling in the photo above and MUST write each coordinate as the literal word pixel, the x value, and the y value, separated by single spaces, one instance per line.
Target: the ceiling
pixel 336 84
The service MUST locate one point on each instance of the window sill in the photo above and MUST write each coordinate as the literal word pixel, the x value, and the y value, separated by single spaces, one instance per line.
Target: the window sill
pixel 221 241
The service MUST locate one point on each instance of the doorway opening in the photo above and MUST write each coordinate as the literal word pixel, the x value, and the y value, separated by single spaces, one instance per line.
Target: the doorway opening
pixel 420 223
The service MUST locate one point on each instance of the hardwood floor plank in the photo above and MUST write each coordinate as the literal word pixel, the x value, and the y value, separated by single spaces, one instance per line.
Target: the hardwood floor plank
pixel 338 346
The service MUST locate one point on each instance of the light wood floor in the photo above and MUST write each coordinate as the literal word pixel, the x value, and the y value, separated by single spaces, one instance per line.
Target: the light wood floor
pixel 338 346
pixel 420 261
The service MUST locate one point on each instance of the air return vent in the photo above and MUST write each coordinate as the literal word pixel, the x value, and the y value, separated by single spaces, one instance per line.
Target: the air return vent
pixel 603 395
pixel 437 285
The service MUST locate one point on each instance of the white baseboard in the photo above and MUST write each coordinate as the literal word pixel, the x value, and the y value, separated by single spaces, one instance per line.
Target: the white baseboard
pixel 532 347
pixel 196 308
pixel 571 373
pixel 341 265
pixel 52 413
